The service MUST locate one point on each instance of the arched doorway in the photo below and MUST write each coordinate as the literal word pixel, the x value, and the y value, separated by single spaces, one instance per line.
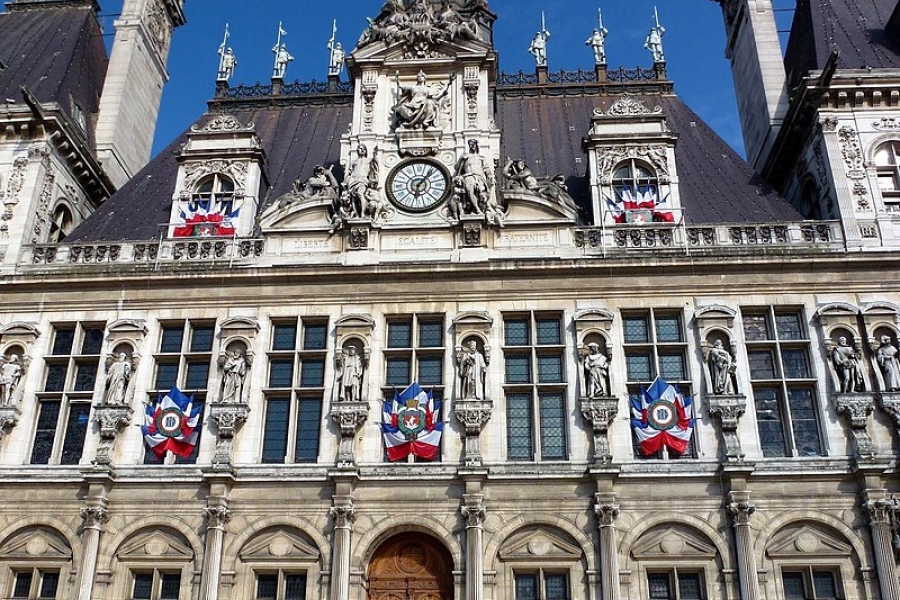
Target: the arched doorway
pixel 411 566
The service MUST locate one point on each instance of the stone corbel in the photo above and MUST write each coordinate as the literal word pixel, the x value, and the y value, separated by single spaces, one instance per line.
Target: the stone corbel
pixel 473 415
pixel 9 418
pixel 228 419
pixel 600 413
pixel 349 417
pixel 113 419
pixel 369 90
pixel 857 408
pixel 729 410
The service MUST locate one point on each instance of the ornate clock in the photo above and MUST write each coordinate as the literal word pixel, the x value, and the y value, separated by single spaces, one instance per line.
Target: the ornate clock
pixel 418 185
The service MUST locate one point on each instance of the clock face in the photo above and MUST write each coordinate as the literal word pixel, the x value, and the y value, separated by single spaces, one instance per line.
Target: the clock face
pixel 418 186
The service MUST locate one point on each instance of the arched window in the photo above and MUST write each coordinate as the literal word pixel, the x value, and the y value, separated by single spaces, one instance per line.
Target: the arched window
pixel 887 167
pixel 637 193
pixel 214 193
pixel 61 225
pixel 210 209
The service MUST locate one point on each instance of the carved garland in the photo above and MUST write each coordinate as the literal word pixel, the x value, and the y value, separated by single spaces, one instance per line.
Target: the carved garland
pixel 237 171
pixel 608 158
pixel 852 152
pixel 224 123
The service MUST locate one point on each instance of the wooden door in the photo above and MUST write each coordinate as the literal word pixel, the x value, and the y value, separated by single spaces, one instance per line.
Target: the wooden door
pixel 411 566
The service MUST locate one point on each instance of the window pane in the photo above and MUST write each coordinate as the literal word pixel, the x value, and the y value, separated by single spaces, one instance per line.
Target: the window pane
pixel 805 426
pixel 23 585
pixel 315 336
pixel 557 586
pixel 550 369
pixel 636 330
pixel 93 341
pixel 553 427
pixel 62 343
pixel 789 327
pixel 76 430
pixel 518 427
pixel 398 371
pixel 202 338
pixel 281 373
pixel 45 432
pixel 399 335
pixel 756 328
pixel 143 585
pixel 197 375
pixel 278 411
pixel 793 586
pixel 668 329
pixel 56 378
pixel 768 419
pixel 294 587
pixel 517 332
pixel 266 587
pixel 518 369
pixel 689 586
pixel 762 364
pixel 284 336
pixel 796 364
pixel 85 377
pixel 171 582
pixel 660 586
pixel 166 375
pixel 312 372
pixel 671 367
pixel 49 584
pixel 431 334
pixel 548 333
pixel 431 371
pixel 309 415
pixel 638 366
pixel 526 587
pixel 825 585
pixel 171 339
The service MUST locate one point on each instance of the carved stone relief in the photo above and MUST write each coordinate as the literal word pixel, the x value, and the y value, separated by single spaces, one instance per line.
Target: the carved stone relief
pixel 419 27
pixel 608 158
pixel 194 172
pixel 159 26
pixel 851 150
pixel 224 123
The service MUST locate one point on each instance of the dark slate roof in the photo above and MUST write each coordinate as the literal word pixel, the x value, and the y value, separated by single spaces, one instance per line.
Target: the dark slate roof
pixel 717 186
pixel 56 51
pixel 855 28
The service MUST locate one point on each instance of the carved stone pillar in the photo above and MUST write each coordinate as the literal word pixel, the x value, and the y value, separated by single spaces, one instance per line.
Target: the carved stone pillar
pixel 740 509
pixel 600 413
pixel 729 410
pixel 216 519
pixel 228 419
pixel 112 419
pixel 879 509
pixel 607 511
pixel 343 517
pixel 473 415
pixel 349 417
pixel 94 519
pixel 857 408
pixel 9 418
pixel 473 512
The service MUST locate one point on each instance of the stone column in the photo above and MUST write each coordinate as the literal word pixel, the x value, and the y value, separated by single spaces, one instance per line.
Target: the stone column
pixel 607 511
pixel 741 509
pixel 216 519
pixel 94 519
pixel 879 509
pixel 340 557
pixel 473 512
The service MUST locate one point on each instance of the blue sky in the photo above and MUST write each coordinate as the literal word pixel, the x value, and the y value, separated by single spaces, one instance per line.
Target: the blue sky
pixel 694 45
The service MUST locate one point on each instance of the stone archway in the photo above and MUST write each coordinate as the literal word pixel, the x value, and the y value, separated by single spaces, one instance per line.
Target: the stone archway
pixel 411 566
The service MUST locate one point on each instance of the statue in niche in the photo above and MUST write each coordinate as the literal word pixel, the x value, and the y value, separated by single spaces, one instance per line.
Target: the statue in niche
pixel 721 369
pixel 890 367
pixel 349 367
pixel 322 184
pixel 363 176
pixel 473 185
pixel 419 106
pixel 596 370
pixel 846 362
pixel 11 372
pixel 118 374
pixel 472 372
pixel 234 373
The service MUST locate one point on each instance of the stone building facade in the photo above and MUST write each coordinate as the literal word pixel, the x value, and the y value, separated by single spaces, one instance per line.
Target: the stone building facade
pixel 293 296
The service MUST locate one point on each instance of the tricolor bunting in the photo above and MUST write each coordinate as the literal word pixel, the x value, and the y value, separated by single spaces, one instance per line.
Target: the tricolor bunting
pixel 411 424
pixel 662 416
pixel 206 218
pixel 639 204
pixel 172 424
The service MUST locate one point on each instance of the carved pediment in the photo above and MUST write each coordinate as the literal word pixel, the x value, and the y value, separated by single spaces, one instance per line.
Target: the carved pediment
pixel 128 326
pixel 808 540
pixel 42 543
pixel 673 543
pixel 715 311
pixel 158 545
pixel 473 318
pixel 837 309
pixel 540 544
pixel 355 321
pixel 881 308
pixel 240 324
pixel 594 315
pixel 293 211
pixel 280 545
pixel 20 328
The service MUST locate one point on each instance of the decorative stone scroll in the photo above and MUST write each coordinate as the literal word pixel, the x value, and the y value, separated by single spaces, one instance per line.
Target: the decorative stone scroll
pixel 349 399
pixel 473 406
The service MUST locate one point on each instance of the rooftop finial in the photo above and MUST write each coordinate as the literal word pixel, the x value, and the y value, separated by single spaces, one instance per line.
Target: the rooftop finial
pixel 336 58
pixel 538 48
pixel 227 59
pixel 282 56
pixel 597 41
pixel 654 39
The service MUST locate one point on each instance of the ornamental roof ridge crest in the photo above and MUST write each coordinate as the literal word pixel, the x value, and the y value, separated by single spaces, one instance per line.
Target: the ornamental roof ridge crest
pixel 627 106
pixel 223 122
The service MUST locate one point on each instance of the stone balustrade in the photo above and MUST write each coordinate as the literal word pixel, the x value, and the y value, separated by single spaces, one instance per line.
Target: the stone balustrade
pixel 144 252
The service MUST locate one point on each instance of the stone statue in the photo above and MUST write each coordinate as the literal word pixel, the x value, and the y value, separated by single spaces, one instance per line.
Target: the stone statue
pixel 10 375
pixel 349 367
pixel 453 23
pixel 890 367
pixel 596 369
pixel 282 58
pixel 234 371
pixel 848 367
pixel 322 184
pixel 336 59
pixel 538 48
pixel 474 180
pixel 654 42
pixel 597 42
pixel 721 369
pixel 118 374
pixel 472 372
pixel 419 106
pixel 342 211
pixel 419 27
pixel 363 175
pixel 227 63
pixel 519 176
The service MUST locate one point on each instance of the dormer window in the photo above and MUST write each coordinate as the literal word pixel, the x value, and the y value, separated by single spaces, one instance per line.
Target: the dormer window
pixel 887 168
pixel 210 209
pixel 638 197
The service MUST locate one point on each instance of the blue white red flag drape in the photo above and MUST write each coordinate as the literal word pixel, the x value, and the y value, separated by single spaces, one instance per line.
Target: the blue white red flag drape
pixel 639 204
pixel 411 424
pixel 206 217
pixel 662 416
pixel 172 424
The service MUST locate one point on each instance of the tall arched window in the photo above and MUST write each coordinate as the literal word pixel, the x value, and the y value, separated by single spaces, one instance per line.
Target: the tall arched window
pixel 214 192
pixel 637 194
pixel 61 225
pixel 210 209
pixel 887 167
